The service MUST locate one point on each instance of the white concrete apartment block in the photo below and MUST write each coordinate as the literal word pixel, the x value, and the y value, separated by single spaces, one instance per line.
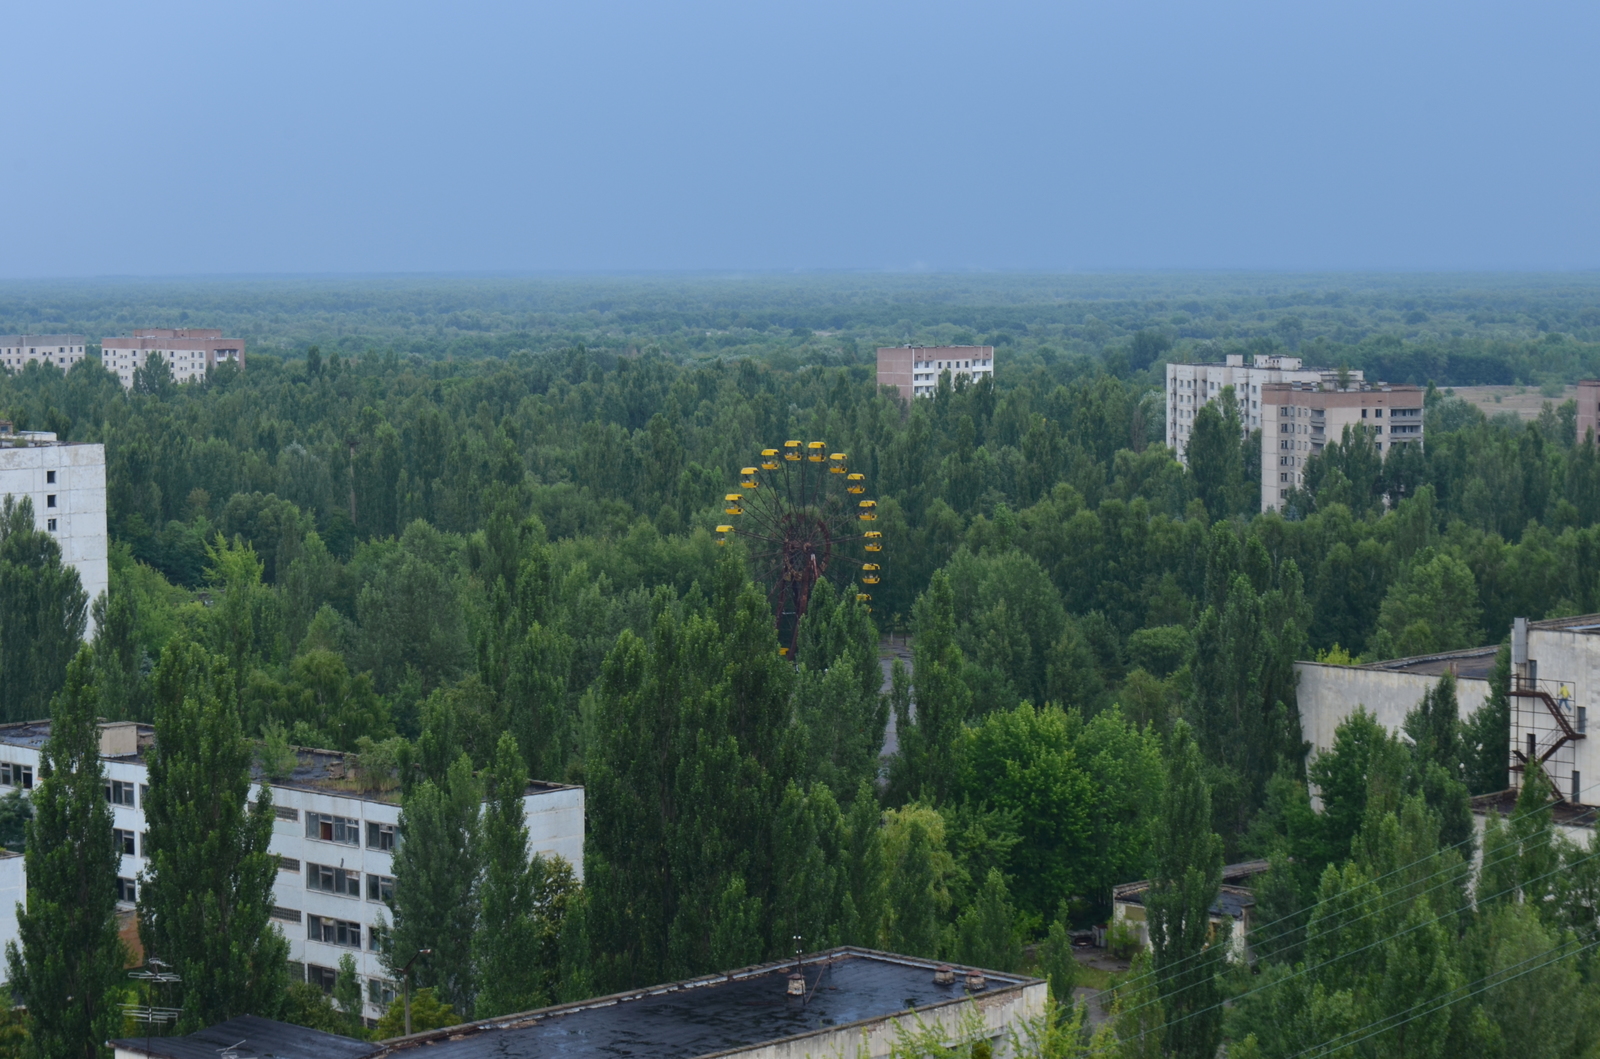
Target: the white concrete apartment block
pixel 18 351
pixel 334 846
pixel 67 484
pixel 1191 387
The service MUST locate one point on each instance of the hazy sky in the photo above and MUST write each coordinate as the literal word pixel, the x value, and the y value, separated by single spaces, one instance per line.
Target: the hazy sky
pixel 165 138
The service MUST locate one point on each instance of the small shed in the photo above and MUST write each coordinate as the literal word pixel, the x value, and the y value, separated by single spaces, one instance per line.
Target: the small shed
pixel 1235 905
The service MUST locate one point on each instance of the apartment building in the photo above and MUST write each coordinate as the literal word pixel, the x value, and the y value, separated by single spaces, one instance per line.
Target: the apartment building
pixel 67 483
pixel 334 842
pixel 190 352
pixel 1588 409
pixel 18 351
pixel 915 370
pixel 1298 421
pixel 1191 387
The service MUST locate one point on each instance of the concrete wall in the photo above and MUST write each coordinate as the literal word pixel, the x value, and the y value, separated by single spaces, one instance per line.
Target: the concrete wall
pixel 13 892
pixel 1001 1011
pixel 79 510
pixel 1328 694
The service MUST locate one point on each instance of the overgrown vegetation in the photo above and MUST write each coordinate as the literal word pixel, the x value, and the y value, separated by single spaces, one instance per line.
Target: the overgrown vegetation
pixel 464 572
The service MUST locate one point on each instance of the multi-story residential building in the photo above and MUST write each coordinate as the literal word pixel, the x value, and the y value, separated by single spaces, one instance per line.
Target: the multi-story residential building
pixel 1588 409
pixel 190 352
pixel 18 351
pixel 334 840
pixel 1299 420
pixel 915 370
pixel 1191 387
pixel 67 483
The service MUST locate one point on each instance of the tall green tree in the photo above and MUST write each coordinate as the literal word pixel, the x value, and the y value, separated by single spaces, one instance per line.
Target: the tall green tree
pixel 986 933
pixel 912 900
pixel 506 950
pixel 929 737
pixel 43 611
pixel 207 895
pixel 1188 875
pixel 68 967
pixel 1216 456
pixel 436 883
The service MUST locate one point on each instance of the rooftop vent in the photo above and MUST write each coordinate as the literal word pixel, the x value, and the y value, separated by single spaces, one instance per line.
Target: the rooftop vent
pixel 974 979
pixel 944 974
pixel 797 984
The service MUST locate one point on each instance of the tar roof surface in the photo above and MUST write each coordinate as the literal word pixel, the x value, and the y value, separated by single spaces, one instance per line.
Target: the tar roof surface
pixel 706 1016
pixel 256 1038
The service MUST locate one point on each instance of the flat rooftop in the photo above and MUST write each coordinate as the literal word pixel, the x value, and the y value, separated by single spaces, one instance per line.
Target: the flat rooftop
pixel 324 771
pixel 1476 663
pixel 250 1037
pixel 718 1013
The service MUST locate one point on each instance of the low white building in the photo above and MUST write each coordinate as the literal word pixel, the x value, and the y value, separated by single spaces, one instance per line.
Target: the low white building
pixel 334 842
pixel 18 351
pixel 67 483
pixel 1190 387
pixel 1554 687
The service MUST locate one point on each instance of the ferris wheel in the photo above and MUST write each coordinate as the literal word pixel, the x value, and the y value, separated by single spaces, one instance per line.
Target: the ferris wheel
pixel 806 517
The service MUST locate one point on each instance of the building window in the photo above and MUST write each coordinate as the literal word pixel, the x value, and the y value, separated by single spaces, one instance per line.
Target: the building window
pixel 288 864
pixel 333 880
pixel 50 524
pixel 380 888
pixel 284 813
pixel 119 792
pixel 50 477
pixel 127 890
pixel 127 842
pixel 50 500
pixel 380 836
pixel 333 931
pixel 380 992
pixel 16 775
pixel 144 793
pixel 323 977
pixel 1577 787
pixel 287 915
pixel 333 828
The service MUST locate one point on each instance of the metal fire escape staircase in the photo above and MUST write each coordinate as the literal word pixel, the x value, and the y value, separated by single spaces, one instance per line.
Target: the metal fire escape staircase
pixel 1545 746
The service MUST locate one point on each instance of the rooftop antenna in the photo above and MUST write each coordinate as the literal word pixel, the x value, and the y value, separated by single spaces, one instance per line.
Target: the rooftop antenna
pixel 154 973
pixel 797 978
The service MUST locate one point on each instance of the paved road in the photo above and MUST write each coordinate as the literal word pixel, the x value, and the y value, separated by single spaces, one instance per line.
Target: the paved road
pixel 887 652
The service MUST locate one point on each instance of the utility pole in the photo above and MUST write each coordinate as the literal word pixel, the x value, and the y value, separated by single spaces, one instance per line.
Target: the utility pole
pixel 405 974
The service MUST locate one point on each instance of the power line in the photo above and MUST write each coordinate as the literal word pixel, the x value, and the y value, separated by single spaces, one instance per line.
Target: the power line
pixel 1448 1003
pixel 1170 970
pixel 1389 937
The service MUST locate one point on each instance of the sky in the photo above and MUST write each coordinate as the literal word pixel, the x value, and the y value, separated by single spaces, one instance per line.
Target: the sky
pixel 604 135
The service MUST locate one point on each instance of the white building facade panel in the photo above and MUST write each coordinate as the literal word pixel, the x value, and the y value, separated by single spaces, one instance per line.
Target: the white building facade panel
pixel 67 485
pixel 337 880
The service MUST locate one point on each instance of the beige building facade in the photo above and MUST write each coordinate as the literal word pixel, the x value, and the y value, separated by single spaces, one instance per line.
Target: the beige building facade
pixel 915 370
pixel 190 352
pixel 1588 408
pixel 18 351
pixel 1191 387
pixel 1298 421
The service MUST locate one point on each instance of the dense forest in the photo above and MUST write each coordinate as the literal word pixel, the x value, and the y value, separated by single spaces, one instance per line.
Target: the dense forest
pixel 463 532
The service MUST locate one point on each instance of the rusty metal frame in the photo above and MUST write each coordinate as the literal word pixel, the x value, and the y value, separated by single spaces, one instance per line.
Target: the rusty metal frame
pixel 1568 733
